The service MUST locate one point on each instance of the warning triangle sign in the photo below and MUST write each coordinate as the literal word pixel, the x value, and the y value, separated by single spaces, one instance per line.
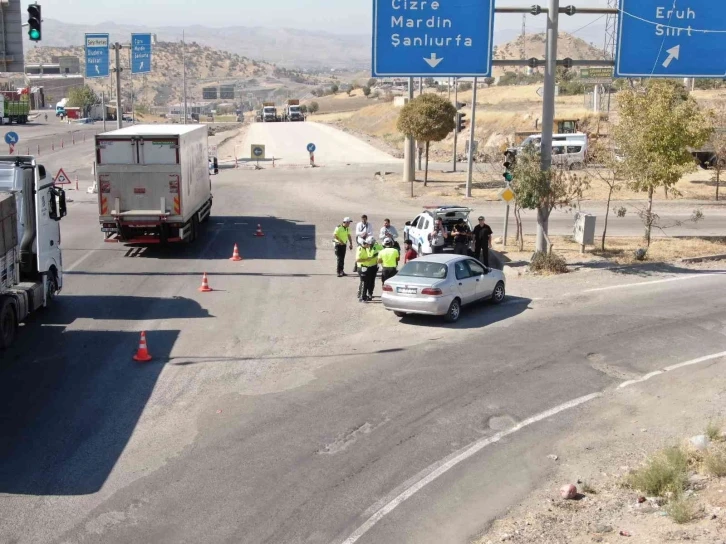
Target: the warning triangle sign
pixel 61 178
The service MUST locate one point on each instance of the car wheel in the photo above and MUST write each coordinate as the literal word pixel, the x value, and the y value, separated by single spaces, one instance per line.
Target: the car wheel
pixel 400 314
pixel 8 324
pixel 454 312
pixel 499 293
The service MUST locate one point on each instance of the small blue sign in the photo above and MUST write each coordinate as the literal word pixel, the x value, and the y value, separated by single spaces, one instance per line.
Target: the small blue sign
pixel 11 138
pixel 97 55
pixel 140 53
pixel 258 151
pixel 311 148
pixel 422 38
pixel 667 39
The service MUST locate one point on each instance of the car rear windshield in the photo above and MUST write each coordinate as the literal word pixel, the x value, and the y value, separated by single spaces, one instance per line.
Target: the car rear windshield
pixel 420 269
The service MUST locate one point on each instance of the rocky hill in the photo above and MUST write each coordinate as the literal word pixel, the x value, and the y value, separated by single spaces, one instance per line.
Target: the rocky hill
pixel 205 66
pixel 533 45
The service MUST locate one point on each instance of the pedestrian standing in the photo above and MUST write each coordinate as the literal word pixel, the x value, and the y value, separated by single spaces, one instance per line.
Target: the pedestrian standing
pixel 437 238
pixel 482 241
pixel 461 238
pixel 342 238
pixel 409 253
pixel 389 231
pixel 363 230
pixel 388 259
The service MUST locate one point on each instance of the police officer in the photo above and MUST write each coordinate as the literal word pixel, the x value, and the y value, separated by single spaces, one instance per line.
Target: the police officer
pixel 461 238
pixel 342 238
pixel 367 261
pixel 482 241
pixel 388 259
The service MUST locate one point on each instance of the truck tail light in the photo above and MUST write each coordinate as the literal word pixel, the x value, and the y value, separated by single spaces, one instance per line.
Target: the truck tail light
pixel 435 291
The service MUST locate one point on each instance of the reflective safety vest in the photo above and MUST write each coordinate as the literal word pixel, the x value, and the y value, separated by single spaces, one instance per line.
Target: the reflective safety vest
pixel 389 257
pixel 341 232
pixel 369 256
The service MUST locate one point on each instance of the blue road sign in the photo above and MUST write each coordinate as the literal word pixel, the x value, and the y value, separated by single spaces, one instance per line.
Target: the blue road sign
pixel 671 39
pixel 97 55
pixel 311 148
pixel 258 151
pixel 421 38
pixel 11 138
pixel 140 53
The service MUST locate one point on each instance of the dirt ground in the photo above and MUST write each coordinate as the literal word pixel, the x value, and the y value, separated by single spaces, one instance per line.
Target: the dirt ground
pixel 613 436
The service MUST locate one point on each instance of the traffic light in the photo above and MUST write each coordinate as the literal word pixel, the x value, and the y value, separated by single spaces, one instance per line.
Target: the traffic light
pixel 34 22
pixel 508 165
pixel 461 124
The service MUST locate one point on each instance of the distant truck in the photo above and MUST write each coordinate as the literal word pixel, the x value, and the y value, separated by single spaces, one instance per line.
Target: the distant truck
pixel 706 157
pixel 14 107
pixel 31 267
pixel 60 108
pixel 269 113
pixel 293 112
pixel 154 185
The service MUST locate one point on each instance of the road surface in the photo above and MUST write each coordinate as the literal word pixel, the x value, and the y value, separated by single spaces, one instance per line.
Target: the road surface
pixel 279 409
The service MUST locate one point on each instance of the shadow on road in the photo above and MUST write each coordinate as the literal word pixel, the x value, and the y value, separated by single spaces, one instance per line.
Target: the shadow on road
pixel 69 405
pixel 286 239
pixel 474 316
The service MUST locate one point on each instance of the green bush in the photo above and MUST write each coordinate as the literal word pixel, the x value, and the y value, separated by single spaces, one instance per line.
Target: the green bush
pixel 667 471
pixel 549 263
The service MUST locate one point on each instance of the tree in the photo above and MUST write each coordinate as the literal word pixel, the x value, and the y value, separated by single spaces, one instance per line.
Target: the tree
pixel 303 108
pixel 465 86
pixel 427 118
pixel 82 97
pixel 543 191
pixel 489 81
pixel 718 141
pixel 366 91
pixel 372 82
pixel 430 82
pixel 658 124
pixel 313 107
pixel 334 88
pixel 609 170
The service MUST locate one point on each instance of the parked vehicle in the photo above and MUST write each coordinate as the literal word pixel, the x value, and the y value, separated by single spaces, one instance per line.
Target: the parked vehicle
pixel 570 155
pixel 14 108
pixel 154 183
pixel 576 138
pixel 441 285
pixel 706 157
pixel 31 267
pixel 423 225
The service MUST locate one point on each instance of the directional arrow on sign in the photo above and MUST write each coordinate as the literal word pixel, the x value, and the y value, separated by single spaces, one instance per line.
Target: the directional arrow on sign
pixel 141 66
pixel 98 70
pixel 673 53
pixel 433 61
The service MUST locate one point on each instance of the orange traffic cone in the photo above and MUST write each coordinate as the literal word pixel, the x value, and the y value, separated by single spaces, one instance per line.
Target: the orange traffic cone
pixel 235 254
pixel 205 285
pixel 142 354
pixel 259 230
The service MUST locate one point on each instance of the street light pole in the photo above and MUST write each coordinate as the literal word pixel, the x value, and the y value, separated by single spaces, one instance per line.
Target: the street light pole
pixel 184 77
pixel 118 69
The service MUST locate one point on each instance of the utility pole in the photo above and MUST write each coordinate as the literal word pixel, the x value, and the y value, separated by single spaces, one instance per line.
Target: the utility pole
pixel 409 149
pixel 548 112
pixel 131 80
pixel 118 70
pixel 103 109
pixel 472 126
pixel 184 78
pixel 456 117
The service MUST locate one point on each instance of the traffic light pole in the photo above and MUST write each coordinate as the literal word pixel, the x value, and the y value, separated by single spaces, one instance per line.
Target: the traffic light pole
pixel 456 117
pixel 119 112
pixel 548 113
pixel 472 126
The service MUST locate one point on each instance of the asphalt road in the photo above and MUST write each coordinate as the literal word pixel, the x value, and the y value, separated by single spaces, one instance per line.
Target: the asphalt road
pixel 277 408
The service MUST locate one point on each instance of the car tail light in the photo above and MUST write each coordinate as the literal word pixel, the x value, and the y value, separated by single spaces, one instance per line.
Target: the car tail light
pixel 431 291
pixel 387 288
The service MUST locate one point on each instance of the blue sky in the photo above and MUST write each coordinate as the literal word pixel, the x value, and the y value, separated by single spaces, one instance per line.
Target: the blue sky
pixel 337 16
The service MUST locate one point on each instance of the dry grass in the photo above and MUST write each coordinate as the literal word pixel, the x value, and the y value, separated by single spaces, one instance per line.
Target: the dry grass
pixel 621 250
pixel 713 431
pixel 666 472
pixel 683 509
pixel 714 461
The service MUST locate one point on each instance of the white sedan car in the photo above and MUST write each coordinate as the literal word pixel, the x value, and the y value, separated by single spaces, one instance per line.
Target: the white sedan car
pixel 440 285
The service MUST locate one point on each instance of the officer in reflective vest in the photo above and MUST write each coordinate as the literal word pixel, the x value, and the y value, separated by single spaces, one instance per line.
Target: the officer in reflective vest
pixel 341 238
pixel 367 261
pixel 388 259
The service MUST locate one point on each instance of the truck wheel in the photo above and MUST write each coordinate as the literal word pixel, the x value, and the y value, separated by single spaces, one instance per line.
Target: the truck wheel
pixel 8 324
pixel 51 288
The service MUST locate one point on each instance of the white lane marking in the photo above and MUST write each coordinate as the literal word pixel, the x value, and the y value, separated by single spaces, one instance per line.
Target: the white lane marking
pixel 442 467
pixel 79 261
pixel 645 283
pixel 439 468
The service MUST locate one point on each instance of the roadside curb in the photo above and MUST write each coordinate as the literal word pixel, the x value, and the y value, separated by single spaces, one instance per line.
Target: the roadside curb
pixel 705 258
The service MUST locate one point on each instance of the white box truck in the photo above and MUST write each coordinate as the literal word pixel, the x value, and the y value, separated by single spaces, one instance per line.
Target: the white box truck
pixel 31 264
pixel 153 182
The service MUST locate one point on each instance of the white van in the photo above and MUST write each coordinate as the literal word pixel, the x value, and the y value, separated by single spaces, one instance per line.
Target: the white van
pixel 570 155
pixel 536 139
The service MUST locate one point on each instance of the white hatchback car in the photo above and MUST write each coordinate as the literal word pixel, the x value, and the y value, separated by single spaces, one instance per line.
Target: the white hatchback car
pixel 440 285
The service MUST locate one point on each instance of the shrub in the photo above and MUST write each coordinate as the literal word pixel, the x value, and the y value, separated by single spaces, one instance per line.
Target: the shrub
pixel 667 471
pixel 682 509
pixel 549 263
pixel 715 462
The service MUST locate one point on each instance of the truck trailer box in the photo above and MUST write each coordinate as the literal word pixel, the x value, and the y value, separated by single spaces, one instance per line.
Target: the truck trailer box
pixel 152 174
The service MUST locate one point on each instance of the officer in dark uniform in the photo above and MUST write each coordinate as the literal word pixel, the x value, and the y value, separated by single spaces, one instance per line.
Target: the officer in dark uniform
pixel 482 241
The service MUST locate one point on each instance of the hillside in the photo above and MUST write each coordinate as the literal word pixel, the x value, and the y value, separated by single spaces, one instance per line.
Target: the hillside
pixel 164 85
pixel 568 46
pixel 292 48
